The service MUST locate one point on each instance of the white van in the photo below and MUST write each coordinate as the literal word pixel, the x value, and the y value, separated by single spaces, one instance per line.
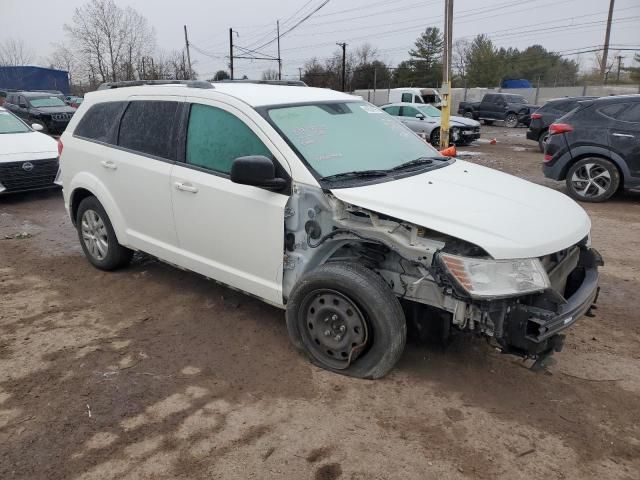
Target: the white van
pixel 326 206
pixel 406 95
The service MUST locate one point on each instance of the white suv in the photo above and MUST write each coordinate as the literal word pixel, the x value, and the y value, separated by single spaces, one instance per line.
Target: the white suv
pixel 326 206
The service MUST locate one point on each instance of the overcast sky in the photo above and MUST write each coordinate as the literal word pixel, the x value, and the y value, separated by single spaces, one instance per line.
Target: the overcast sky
pixel 390 25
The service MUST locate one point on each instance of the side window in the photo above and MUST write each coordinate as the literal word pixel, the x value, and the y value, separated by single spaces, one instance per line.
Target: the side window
pixel 631 114
pixel 395 111
pixel 409 112
pixel 406 97
pixel 215 138
pixel 147 127
pixel 417 99
pixel 613 111
pixel 101 122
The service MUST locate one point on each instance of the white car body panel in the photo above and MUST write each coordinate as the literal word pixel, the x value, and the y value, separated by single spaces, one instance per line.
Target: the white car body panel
pixel 507 216
pixel 22 147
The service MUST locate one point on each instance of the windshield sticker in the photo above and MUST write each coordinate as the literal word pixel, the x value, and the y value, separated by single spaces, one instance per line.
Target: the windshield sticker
pixel 310 134
pixel 370 109
pixel 329 156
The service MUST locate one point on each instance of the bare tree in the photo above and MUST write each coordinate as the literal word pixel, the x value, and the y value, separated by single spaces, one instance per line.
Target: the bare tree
pixel 15 53
pixel 366 53
pixel 63 58
pixel 461 56
pixel 270 74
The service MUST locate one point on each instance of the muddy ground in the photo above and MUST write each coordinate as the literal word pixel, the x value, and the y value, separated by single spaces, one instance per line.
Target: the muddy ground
pixel 156 373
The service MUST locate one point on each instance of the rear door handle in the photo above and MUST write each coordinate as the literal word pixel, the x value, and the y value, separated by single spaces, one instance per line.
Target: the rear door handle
pixel 625 135
pixel 185 187
pixel 109 164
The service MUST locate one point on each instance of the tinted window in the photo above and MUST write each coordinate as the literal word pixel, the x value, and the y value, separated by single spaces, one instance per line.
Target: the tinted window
pixel 409 112
pixel 612 111
pixel 631 113
pixel 417 99
pixel 406 97
pixel 392 110
pixel 147 127
pixel 101 122
pixel 216 137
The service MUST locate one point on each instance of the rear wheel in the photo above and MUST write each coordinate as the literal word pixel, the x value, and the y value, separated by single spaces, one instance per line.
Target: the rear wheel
pixel 346 319
pixel 592 179
pixel 468 114
pixel 511 120
pixel 542 140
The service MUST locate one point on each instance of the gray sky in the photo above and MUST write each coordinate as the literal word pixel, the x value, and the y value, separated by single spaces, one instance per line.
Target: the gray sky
pixel 389 25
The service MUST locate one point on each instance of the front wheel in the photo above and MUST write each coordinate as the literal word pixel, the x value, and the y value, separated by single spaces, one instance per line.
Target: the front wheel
pixel 434 138
pixel 468 115
pixel 346 319
pixel 511 120
pixel 593 180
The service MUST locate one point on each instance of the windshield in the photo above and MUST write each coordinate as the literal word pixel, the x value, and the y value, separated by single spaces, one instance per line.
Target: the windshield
pixel 515 99
pixel 336 138
pixel 46 102
pixel 10 124
pixel 429 111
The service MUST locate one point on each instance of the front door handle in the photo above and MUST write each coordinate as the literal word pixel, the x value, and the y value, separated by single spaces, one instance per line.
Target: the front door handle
pixel 625 135
pixel 185 187
pixel 109 164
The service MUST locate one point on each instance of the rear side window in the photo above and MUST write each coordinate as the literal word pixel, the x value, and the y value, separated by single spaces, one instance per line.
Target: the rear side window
pixel 406 97
pixel 612 111
pixel 631 113
pixel 147 127
pixel 215 138
pixel 392 110
pixel 101 122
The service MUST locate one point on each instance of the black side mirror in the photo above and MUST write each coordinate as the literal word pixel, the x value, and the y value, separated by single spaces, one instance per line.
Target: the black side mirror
pixel 256 170
pixel 419 116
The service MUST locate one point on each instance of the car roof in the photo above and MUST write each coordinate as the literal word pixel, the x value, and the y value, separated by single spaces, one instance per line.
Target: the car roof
pixel 617 98
pixel 256 95
pixel 406 104
pixel 578 98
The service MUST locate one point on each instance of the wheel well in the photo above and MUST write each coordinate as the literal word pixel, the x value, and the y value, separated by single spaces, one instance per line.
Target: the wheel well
pixel 544 130
pixel 597 155
pixel 77 196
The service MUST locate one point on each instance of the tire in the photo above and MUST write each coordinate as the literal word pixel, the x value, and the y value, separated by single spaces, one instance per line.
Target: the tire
pixel 487 122
pixel 97 237
pixel 511 120
pixel 468 114
pixel 347 320
pixel 592 179
pixel 542 140
pixel 434 138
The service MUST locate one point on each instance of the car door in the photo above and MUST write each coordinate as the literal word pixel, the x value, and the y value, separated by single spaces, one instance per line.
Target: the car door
pixel 408 117
pixel 137 173
pixel 624 136
pixel 229 232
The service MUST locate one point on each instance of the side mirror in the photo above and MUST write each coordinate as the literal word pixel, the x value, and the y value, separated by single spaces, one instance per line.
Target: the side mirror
pixel 256 170
pixel 420 116
pixel 37 127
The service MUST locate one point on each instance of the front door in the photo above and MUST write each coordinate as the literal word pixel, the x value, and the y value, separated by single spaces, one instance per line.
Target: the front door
pixel 624 136
pixel 229 232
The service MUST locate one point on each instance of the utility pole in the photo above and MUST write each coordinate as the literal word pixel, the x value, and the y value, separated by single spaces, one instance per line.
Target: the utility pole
pixel 231 52
pixel 619 57
pixel 344 64
pixel 446 74
pixel 605 52
pixel 300 73
pixel 186 42
pixel 279 59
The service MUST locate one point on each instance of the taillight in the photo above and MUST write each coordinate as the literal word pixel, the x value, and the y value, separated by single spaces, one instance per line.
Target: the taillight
pixel 556 128
pixel 536 116
pixel 60 146
pixel 548 157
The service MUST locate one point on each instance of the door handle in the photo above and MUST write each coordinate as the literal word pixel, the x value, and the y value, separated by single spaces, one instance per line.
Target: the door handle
pixel 625 135
pixel 109 164
pixel 185 187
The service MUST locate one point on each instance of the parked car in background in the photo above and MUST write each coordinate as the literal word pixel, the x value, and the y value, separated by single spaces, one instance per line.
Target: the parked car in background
pixel 321 204
pixel 509 108
pixel 538 130
pixel 45 109
pixel 385 96
pixel 425 120
pixel 28 159
pixel 595 148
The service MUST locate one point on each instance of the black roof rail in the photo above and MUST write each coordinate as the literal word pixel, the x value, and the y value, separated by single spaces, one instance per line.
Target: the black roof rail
pixel 137 83
pixel 291 83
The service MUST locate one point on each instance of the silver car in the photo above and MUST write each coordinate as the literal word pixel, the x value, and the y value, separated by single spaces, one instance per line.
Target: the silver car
pixel 425 121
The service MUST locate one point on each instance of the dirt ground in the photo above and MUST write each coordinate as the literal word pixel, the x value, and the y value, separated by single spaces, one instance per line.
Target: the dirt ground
pixel 156 373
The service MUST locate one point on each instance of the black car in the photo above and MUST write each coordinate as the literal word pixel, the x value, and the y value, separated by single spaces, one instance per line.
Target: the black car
pixel 596 148
pixel 507 107
pixel 46 109
pixel 547 114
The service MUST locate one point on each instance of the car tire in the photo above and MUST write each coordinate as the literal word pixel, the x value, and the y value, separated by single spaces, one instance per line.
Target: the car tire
pixel 434 138
pixel 468 114
pixel 346 319
pixel 592 179
pixel 97 237
pixel 511 120
pixel 542 140
pixel 488 122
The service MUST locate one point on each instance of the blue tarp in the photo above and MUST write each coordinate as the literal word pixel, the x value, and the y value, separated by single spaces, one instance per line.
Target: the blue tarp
pixel 34 78
pixel 516 83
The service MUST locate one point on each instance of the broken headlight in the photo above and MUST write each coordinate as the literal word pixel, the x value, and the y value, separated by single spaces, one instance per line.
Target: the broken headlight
pixel 486 278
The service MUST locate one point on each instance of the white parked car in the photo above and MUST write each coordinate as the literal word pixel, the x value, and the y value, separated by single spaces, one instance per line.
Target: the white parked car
pixel 425 120
pixel 320 203
pixel 28 158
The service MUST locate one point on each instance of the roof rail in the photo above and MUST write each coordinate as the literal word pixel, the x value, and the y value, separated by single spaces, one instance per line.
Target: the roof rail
pixel 136 83
pixel 291 83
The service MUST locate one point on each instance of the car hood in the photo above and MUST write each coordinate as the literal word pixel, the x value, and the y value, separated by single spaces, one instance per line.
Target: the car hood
pixel 463 122
pixel 65 109
pixel 507 216
pixel 16 147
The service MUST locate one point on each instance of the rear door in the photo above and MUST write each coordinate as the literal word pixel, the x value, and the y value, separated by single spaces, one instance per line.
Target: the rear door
pixel 624 136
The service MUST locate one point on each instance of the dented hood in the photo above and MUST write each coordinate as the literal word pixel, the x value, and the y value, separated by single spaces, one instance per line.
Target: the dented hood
pixel 505 215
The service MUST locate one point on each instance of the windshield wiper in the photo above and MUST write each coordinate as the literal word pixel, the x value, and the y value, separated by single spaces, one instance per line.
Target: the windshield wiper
pixel 357 173
pixel 412 163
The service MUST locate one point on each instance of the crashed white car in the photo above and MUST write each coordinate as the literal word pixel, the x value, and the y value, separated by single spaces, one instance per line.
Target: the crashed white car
pixel 320 203
pixel 28 158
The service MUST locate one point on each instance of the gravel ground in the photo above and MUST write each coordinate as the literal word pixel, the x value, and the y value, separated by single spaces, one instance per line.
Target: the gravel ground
pixel 152 372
